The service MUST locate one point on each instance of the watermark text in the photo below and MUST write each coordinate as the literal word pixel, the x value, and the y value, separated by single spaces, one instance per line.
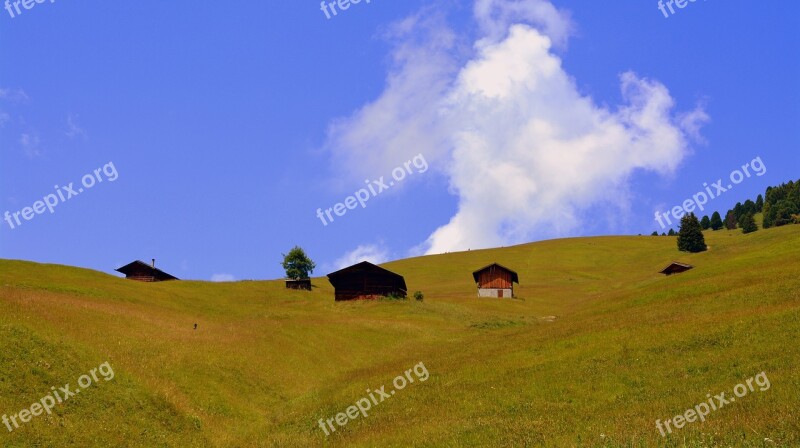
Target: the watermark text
pixel 374 397
pixel 58 396
pixel 714 403
pixel 62 194
pixel 700 199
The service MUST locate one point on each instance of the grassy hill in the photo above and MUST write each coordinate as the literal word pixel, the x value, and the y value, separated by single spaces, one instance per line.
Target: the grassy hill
pixel 627 346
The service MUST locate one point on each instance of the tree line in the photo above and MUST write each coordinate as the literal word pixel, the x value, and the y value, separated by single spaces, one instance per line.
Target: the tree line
pixel 780 206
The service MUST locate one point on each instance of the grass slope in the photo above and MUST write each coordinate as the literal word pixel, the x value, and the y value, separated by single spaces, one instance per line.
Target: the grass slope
pixel 628 346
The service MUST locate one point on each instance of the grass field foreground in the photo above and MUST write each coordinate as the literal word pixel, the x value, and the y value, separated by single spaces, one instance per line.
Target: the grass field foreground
pixel 596 347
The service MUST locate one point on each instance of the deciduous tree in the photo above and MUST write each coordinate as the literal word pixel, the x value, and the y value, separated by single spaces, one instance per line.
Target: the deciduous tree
pixel 297 264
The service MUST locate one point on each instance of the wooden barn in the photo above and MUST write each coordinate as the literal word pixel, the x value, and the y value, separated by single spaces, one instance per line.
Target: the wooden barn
pixel 366 281
pixel 143 272
pixel 495 281
pixel 303 284
pixel 676 268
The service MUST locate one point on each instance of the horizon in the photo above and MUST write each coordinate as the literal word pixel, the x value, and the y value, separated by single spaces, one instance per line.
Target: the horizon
pixel 216 139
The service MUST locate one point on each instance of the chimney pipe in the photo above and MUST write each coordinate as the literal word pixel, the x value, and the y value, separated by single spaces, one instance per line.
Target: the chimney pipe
pixel 154 262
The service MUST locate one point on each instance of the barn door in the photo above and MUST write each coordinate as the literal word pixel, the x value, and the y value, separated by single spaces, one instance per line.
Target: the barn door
pixel 500 293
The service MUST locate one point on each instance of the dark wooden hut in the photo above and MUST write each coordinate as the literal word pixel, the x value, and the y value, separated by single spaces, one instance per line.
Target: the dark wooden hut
pixel 366 281
pixel 302 284
pixel 143 272
pixel 676 268
pixel 495 280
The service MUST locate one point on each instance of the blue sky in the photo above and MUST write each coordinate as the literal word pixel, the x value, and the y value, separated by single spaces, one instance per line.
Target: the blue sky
pixel 227 125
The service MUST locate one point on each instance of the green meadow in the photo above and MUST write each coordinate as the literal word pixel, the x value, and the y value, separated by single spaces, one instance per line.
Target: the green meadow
pixel 596 347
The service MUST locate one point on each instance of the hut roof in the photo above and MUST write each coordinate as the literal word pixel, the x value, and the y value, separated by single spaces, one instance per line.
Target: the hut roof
pixel 514 276
pixel 138 266
pixel 676 267
pixel 365 267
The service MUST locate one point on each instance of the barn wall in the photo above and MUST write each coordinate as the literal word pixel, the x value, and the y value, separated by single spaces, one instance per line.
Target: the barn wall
pixel 356 295
pixel 146 274
pixel 299 284
pixel 495 278
pixel 373 293
pixel 493 292
pixel 369 286
pixel 141 278
pixel 140 274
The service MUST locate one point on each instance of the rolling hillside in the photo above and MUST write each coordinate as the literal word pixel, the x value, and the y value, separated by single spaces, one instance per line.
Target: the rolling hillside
pixel 597 347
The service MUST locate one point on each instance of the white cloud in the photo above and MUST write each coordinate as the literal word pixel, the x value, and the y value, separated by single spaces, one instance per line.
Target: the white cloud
pixel 223 278
pixel 495 17
pixel 13 95
pixel 73 130
pixel 691 123
pixel 524 151
pixel 373 253
pixel 370 142
pixel 28 140
pixel 10 96
pixel 30 144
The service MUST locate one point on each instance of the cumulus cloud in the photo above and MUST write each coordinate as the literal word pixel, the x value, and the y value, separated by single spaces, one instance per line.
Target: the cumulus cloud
pixel 525 152
pixel 496 16
pixel 223 278
pixel 373 253
pixel 405 120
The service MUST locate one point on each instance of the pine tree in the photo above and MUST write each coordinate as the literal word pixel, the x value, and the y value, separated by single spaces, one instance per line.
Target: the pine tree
pixel 749 207
pixel 780 203
pixel 738 210
pixel 748 224
pixel 769 215
pixel 759 204
pixel 655 233
pixel 690 235
pixel 740 221
pixel 730 220
pixel 716 221
pixel 671 233
pixel 705 223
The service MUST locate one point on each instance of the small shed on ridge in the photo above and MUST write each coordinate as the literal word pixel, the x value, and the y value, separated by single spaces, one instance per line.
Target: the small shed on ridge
pixel 143 272
pixel 301 284
pixel 495 280
pixel 676 268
